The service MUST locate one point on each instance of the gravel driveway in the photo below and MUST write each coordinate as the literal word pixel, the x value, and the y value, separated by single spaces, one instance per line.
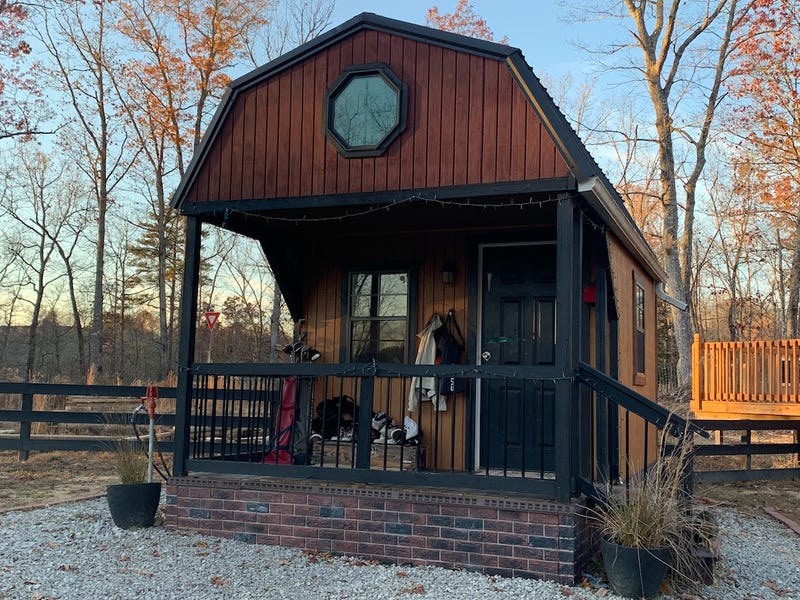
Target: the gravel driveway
pixel 75 551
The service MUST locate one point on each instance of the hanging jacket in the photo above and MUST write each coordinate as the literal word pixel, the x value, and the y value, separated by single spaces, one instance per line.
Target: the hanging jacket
pixel 424 388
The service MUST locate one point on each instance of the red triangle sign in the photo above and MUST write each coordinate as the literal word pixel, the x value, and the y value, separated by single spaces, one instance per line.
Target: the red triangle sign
pixel 211 319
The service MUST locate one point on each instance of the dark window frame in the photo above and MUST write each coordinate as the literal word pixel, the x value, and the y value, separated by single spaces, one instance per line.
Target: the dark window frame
pixel 346 346
pixel 349 73
pixel 639 331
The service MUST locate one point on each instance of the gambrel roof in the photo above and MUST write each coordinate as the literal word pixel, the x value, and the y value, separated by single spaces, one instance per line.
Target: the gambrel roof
pixel 480 123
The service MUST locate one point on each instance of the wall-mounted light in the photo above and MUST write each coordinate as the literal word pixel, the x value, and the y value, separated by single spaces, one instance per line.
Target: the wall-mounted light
pixel 448 273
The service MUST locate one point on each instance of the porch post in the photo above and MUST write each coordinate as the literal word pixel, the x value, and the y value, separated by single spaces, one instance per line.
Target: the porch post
pixel 188 327
pixel 568 298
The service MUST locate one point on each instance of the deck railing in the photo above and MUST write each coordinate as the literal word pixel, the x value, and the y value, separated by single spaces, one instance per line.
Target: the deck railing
pixel 528 429
pixel 740 379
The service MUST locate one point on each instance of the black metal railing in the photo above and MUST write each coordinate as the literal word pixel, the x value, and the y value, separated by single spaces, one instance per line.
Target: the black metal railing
pixel 623 432
pixel 495 427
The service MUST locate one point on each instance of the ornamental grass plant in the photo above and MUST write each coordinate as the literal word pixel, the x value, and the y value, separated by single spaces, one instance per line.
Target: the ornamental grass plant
pixel 131 461
pixel 655 510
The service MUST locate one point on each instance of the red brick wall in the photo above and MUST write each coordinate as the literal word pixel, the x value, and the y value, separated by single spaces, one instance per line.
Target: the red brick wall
pixel 495 534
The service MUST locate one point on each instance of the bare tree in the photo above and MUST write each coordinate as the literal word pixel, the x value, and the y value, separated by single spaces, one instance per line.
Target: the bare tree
pixel 291 23
pixel 42 207
pixel 680 50
pixel 76 37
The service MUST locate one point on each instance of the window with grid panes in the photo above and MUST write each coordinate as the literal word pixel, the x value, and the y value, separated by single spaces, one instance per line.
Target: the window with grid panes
pixel 378 316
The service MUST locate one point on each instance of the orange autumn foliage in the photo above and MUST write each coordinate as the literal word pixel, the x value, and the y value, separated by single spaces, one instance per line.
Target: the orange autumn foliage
pixel 767 81
pixel 462 20
pixel 19 91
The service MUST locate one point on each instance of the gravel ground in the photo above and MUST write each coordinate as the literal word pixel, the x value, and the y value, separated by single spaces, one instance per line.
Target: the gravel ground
pixel 75 551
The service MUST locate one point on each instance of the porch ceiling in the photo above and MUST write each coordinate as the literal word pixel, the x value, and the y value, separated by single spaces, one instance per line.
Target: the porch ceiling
pixel 288 237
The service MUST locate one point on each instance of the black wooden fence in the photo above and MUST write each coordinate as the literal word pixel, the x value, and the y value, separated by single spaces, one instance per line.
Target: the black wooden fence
pixel 735 438
pixel 24 441
pixel 18 423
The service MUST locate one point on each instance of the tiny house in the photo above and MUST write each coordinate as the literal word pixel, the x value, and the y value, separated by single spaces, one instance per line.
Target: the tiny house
pixel 412 188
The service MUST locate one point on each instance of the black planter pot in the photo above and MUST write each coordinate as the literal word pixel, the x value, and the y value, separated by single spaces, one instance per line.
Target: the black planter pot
pixel 133 505
pixel 634 572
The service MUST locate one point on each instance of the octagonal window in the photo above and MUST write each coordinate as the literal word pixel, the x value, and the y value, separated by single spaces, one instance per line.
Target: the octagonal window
pixel 365 110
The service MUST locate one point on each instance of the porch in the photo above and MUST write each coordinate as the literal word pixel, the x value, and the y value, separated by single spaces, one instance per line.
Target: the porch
pixel 515 508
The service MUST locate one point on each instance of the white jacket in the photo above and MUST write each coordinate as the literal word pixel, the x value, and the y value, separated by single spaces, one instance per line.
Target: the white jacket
pixel 424 388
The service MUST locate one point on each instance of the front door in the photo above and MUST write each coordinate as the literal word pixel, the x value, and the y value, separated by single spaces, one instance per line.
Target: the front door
pixel 517 328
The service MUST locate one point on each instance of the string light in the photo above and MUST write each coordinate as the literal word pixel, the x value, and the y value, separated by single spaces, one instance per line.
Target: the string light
pixel 469 203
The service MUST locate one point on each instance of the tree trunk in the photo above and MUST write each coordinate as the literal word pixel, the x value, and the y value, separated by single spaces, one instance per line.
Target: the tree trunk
pixel 794 284
pixel 275 323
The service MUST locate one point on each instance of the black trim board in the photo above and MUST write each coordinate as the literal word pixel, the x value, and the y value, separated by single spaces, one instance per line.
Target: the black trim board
pixel 459 192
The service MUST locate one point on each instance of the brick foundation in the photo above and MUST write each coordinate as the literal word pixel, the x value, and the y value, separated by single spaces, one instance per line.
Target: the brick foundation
pixel 501 534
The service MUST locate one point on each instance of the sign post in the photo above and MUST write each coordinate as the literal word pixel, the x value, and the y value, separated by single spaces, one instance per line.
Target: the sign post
pixel 212 318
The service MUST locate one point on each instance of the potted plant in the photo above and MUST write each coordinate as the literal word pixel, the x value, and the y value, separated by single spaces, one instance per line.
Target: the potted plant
pixel 134 501
pixel 649 530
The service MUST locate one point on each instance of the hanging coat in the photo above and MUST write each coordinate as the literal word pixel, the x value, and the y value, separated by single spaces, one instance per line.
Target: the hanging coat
pixel 424 388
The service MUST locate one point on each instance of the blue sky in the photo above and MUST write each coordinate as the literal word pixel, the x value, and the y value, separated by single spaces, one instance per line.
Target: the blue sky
pixel 533 26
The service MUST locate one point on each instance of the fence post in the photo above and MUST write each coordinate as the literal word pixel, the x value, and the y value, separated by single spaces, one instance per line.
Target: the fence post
pixel 696 403
pixel 25 427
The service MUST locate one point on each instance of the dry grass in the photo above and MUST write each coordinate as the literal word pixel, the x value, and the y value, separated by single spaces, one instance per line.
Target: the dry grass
pixel 654 511
pixel 130 460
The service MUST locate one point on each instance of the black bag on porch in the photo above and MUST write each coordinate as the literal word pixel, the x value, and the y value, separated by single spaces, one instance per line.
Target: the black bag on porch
pixel 450 343
pixel 334 414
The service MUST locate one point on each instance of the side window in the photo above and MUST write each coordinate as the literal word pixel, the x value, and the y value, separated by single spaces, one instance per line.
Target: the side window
pixel 378 316
pixel 638 331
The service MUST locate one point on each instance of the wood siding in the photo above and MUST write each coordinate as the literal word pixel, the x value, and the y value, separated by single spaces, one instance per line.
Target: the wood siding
pixel 425 255
pixel 467 123
pixel 624 271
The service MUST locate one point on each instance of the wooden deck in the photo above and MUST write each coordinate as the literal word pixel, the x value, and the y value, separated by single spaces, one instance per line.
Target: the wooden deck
pixel 746 380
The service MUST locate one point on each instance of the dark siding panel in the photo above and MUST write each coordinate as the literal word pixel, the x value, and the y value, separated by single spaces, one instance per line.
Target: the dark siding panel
pixel 489 172
pixel 548 156
pixel 406 178
pixel 475 157
pixel 504 125
pixel 421 111
pixel 519 108
pixel 248 173
pixel 533 131
pixel 467 123
pixel 295 138
pixel 331 156
pixel 260 141
pixel 285 130
pixel 368 164
pixel 214 163
pixel 461 120
pixel 383 52
pixel 317 139
pixel 222 178
pixel 434 116
pixel 356 174
pixel 448 125
pixel 306 170
pixel 273 124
